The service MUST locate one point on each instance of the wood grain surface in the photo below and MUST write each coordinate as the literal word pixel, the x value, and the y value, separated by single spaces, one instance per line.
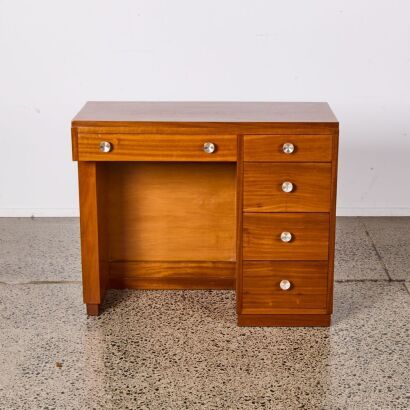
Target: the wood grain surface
pixel 332 225
pixel 172 275
pixel 262 292
pixel 239 225
pixel 126 113
pixel 308 148
pixel 152 147
pixel 261 236
pixel 171 211
pixel 94 251
pixel 157 212
pixel 263 187
pixel 285 320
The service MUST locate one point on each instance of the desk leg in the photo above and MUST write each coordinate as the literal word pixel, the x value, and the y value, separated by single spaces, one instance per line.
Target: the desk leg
pixel 93 240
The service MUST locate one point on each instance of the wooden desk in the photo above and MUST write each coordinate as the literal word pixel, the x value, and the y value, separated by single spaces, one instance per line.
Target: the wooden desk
pixel 211 196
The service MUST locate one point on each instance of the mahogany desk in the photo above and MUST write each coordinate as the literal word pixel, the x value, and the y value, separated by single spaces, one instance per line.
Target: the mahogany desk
pixel 211 196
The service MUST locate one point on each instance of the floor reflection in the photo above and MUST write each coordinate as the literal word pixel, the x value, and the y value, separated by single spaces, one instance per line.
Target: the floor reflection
pixel 151 346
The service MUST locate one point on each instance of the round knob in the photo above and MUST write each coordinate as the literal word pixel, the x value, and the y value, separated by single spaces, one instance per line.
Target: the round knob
pixel 287 186
pixel 285 284
pixel 288 148
pixel 105 146
pixel 209 147
pixel 285 236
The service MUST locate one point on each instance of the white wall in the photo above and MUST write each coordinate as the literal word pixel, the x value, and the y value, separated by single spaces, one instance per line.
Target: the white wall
pixel 55 55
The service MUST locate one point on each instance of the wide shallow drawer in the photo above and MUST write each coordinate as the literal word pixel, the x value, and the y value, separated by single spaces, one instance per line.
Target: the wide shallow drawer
pixel 304 283
pixel 279 187
pixel 154 147
pixel 288 148
pixel 264 235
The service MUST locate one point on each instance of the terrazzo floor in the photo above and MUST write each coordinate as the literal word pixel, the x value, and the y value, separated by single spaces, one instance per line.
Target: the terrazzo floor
pixel 183 350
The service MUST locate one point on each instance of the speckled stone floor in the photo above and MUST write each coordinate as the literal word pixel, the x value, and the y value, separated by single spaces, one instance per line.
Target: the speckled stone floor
pixel 183 350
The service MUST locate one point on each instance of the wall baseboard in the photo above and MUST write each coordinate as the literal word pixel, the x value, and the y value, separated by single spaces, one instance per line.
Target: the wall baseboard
pixel 358 211
pixel 38 212
pixel 74 212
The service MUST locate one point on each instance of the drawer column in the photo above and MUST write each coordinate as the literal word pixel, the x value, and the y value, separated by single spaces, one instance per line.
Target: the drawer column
pixel 286 223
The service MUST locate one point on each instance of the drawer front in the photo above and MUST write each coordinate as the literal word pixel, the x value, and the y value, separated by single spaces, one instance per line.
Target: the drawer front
pixel 265 235
pixel 278 187
pixel 154 147
pixel 283 286
pixel 309 148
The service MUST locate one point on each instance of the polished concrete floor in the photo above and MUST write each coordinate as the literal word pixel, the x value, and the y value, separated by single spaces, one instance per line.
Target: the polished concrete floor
pixel 183 350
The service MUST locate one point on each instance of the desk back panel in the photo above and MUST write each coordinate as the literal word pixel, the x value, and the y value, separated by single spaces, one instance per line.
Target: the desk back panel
pixel 170 211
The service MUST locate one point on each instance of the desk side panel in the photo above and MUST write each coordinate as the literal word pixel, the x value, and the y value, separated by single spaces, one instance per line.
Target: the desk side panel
pixel 74 143
pixel 332 225
pixel 94 250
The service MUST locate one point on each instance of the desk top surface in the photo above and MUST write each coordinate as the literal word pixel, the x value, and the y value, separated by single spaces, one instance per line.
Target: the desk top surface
pixel 128 113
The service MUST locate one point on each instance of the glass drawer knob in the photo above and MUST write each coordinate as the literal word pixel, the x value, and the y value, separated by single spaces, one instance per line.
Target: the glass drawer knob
pixel 209 147
pixel 288 148
pixel 286 236
pixel 287 186
pixel 284 284
pixel 105 146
